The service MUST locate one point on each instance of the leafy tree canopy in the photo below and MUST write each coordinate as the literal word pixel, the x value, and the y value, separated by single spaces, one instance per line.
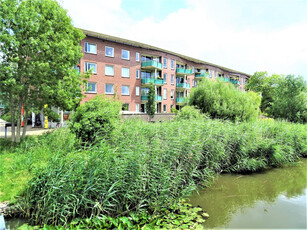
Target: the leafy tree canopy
pixel 39 47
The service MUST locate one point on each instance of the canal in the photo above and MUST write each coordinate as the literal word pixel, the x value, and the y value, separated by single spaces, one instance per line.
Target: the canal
pixel 275 198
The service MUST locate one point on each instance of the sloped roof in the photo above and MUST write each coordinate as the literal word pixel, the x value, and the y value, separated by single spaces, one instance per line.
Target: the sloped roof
pixel 145 46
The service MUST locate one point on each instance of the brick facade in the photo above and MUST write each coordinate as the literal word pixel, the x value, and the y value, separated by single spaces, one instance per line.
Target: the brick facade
pixel 117 80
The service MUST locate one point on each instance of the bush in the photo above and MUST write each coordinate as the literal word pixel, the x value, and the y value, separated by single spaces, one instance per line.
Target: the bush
pixel 95 119
pixel 189 112
pixel 224 101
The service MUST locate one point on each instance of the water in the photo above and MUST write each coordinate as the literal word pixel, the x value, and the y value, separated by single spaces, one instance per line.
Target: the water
pixel 275 198
pixel 14 223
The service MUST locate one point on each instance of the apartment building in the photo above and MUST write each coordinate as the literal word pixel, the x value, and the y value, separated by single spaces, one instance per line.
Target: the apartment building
pixel 125 68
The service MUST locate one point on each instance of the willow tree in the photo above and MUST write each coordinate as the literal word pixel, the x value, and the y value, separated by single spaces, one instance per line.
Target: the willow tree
pixel 38 47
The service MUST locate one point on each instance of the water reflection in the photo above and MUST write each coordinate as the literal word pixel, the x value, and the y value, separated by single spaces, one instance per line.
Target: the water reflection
pixel 272 199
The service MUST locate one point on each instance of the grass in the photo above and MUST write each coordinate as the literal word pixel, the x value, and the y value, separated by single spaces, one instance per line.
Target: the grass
pixel 142 167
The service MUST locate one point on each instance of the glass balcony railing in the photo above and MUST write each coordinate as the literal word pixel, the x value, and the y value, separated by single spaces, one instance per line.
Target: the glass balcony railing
pixel 148 80
pixel 202 75
pixel 158 98
pixel 152 80
pixel 179 99
pixel 236 82
pixel 225 79
pixel 183 71
pixel 183 85
pixel 145 98
pixel 152 64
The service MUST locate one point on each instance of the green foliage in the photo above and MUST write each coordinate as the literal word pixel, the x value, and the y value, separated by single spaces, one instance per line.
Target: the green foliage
pixel 174 110
pixel 290 100
pixel 39 48
pixel 220 100
pixel 265 85
pixel 189 112
pixel 20 161
pixel 151 104
pixel 95 119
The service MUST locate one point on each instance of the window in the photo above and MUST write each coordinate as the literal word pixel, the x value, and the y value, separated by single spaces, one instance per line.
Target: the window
pixel 137 56
pixel 137 75
pixel 137 107
pixel 109 89
pixel 90 48
pixel 164 62
pixel 172 64
pixel 125 107
pixel 109 51
pixel 192 83
pixel 125 90
pixel 137 91
pixel 125 72
pixel 109 70
pixel 164 78
pixel 164 94
pixel 126 54
pixel 172 79
pixel 91 87
pixel 172 94
pixel 164 108
pixel 91 66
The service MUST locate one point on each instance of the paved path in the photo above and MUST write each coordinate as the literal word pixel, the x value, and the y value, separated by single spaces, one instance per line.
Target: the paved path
pixel 30 131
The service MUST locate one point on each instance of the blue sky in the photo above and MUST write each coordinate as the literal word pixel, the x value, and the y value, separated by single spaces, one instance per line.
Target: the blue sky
pixel 246 35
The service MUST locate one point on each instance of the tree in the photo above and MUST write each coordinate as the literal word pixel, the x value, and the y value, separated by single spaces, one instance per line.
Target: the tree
pixel 151 105
pixel 290 100
pixel 265 85
pixel 221 100
pixel 39 48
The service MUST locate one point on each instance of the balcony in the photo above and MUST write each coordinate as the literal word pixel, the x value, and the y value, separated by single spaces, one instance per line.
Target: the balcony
pixel 1 106
pixel 202 75
pixel 182 86
pixel 224 79
pixel 157 98
pixel 147 81
pixel 183 71
pixel 235 82
pixel 180 99
pixel 151 65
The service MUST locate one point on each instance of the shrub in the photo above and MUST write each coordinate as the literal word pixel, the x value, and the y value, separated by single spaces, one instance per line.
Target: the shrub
pixel 189 112
pixel 95 119
pixel 224 101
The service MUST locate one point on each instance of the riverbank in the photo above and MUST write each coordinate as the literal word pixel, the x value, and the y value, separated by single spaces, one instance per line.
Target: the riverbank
pixel 155 164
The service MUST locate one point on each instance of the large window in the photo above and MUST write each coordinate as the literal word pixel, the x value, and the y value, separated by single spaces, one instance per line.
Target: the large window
pixel 172 94
pixel 137 91
pixel 109 51
pixel 125 72
pixel 109 70
pixel 109 89
pixel 164 78
pixel 164 62
pixel 172 79
pixel 137 56
pixel 125 90
pixel 164 94
pixel 126 54
pixel 90 48
pixel 172 64
pixel 91 87
pixel 91 66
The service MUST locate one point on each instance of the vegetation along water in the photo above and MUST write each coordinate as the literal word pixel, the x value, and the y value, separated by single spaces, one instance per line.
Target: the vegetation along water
pixel 63 182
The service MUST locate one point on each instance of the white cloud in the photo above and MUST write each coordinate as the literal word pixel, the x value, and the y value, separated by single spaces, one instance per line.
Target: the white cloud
pixel 193 31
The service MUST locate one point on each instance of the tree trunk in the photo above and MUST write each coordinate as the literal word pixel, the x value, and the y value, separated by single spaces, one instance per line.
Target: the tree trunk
pixel 24 131
pixel 12 111
pixel 18 123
